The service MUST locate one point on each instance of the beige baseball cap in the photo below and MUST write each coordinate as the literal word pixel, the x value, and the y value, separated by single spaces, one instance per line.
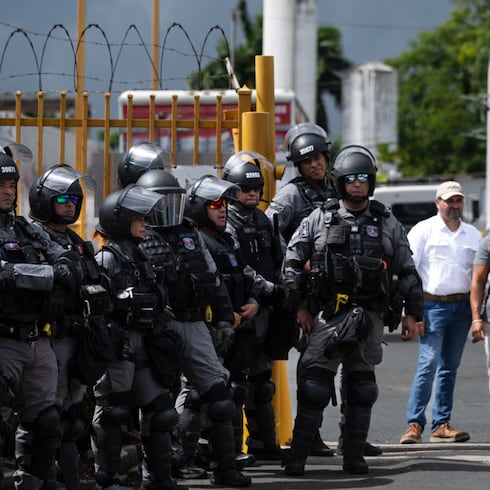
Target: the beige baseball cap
pixel 449 189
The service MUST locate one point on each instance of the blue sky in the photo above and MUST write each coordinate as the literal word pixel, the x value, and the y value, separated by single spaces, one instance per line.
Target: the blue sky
pixel 371 30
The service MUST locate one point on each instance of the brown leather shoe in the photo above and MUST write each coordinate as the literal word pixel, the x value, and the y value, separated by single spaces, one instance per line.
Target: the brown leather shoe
pixel 447 433
pixel 412 435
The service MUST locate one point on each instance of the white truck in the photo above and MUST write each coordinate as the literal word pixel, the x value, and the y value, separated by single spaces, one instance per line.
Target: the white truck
pixel 411 203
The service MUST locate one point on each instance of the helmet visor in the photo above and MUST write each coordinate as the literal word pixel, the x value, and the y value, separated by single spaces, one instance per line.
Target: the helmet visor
pixel 173 213
pixel 146 156
pixel 60 177
pixel 210 188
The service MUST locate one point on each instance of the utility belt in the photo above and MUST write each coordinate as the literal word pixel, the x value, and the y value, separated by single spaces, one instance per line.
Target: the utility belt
pixel 342 302
pixel 27 332
pixel 191 315
pixel 68 327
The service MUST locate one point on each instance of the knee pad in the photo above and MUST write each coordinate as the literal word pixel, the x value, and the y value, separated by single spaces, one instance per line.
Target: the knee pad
pixel 193 400
pixel 239 392
pixel 71 423
pixel 221 410
pixel 164 420
pixel 264 392
pixel 361 388
pixel 46 425
pixel 116 415
pixel 316 387
pixel 220 405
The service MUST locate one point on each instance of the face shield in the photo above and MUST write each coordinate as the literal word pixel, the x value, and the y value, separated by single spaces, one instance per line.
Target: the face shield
pixel 61 177
pixel 146 156
pixel 210 188
pixel 160 210
pixel 17 151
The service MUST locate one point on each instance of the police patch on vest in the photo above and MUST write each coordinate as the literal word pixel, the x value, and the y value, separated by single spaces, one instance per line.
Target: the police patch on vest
pixel 11 246
pixel 372 231
pixel 232 259
pixel 189 243
pixel 305 229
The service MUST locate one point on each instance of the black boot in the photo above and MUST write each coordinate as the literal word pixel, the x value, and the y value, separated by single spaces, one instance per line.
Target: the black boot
pixel 305 426
pixel 319 448
pixel 369 449
pixel 185 437
pixel 35 444
pixel 157 463
pixel 262 429
pixel 357 420
pixel 242 459
pixel 226 473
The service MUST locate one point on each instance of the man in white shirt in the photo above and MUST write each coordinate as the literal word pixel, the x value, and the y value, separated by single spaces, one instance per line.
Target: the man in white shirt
pixel 443 249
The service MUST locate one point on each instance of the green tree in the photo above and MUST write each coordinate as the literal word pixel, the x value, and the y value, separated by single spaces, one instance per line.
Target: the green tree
pixel 330 62
pixel 441 78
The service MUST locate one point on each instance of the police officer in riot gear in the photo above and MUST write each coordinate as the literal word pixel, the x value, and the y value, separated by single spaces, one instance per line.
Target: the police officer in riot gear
pixel 140 158
pixel 260 249
pixel 307 146
pixel 131 380
pixel 196 294
pixel 30 266
pixel 206 205
pixel 354 248
pixel 56 199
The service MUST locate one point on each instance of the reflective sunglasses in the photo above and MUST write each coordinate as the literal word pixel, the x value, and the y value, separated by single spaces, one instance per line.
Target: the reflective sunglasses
pixel 250 188
pixel 64 198
pixel 220 203
pixel 349 179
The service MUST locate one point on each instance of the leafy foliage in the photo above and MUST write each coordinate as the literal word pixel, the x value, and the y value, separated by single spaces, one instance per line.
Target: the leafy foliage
pixel 330 62
pixel 442 79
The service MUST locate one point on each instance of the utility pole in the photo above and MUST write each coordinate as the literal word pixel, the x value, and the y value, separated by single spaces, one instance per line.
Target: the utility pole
pixel 487 178
pixel 156 40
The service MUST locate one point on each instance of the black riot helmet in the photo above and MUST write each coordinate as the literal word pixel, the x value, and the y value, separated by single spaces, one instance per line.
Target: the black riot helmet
pixel 206 190
pixel 165 183
pixel 8 171
pixel 60 182
pixel 245 168
pixel 353 159
pixel 134 201
pixel 305 140
pixel 139 159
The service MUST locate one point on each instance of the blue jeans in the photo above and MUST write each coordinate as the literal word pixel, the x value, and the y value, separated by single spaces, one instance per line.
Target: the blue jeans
pixel 440 351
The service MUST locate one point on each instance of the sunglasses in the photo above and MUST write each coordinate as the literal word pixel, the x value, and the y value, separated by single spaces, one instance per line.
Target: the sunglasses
pixel 250 188
pixel 64 198
pixel 220 203
pixel 350 179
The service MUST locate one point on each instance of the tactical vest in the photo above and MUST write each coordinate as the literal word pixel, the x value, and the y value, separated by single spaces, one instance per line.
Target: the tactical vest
pixel 181 268
pixel 21 244
pixel 349 259
pixel 230 266
pixel 138 301
pixel 313 197
pixel 91 300
pixel 259 248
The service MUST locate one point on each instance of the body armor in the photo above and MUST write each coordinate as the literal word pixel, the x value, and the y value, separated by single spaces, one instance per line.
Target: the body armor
pixel 313 197
pixel 349 261
pixel 138 300
pixel 90 300
pixel 230 266
pixel 20 243
pixel 259 248
pixel 182 270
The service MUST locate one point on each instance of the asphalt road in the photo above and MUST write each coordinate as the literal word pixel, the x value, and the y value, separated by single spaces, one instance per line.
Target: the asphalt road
pixel 400 467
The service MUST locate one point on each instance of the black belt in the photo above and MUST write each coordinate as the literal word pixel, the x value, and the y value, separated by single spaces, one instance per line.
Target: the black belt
pixel 28 333
pixel 447 298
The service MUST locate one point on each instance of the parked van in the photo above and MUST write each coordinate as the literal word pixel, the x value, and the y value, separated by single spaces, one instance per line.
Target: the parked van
pixel 412 203
pixel 409 203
